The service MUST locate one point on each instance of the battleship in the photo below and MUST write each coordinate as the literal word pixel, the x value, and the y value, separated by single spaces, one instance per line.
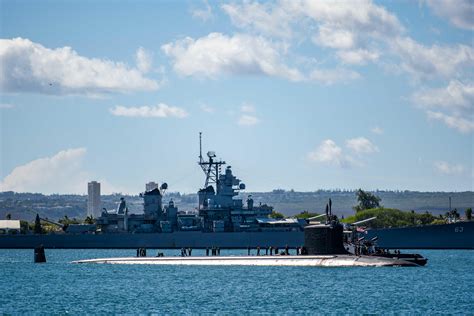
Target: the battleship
pixel 222 220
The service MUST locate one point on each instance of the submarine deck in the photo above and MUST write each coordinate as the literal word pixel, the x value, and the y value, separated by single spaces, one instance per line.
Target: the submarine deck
pixel 303 261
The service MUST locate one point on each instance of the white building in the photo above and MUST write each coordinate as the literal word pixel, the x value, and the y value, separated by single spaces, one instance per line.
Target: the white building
pixel 9 226
pixel 151 185
pixel 93 200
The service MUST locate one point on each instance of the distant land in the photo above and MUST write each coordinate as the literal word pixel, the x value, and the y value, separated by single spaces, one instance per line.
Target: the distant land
pixel 26 205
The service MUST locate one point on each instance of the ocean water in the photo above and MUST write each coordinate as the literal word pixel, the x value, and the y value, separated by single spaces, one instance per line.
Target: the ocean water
pixel 444 286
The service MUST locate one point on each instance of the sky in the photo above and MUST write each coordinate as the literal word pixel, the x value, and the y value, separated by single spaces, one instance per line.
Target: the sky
pixel 301 95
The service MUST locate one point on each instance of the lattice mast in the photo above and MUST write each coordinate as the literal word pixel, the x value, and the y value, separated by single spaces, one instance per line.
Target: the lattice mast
pixel 211 168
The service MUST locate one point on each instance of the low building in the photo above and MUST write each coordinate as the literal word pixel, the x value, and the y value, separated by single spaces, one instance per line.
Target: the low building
pixel 10 226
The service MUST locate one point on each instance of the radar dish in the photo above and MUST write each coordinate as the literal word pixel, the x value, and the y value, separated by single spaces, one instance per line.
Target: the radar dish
pixel 164 186
pixel 211 154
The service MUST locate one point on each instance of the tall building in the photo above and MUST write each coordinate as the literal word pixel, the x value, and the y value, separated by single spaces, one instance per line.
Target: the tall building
pixel 93 200
pixel 151 185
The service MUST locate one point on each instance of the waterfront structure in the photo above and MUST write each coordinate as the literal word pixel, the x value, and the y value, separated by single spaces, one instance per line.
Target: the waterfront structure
pixel 151 185
pixel 93 199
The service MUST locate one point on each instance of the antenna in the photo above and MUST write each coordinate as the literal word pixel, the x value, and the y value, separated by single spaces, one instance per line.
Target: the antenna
pixel 200 147
pixel 363 221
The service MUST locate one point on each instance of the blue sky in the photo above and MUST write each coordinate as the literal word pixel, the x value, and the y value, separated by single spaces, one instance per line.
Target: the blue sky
pixel 297 95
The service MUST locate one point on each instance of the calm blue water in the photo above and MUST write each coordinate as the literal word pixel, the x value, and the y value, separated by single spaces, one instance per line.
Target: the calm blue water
pixel 445 285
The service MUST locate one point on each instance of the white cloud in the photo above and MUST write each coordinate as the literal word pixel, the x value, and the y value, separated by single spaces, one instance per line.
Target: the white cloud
pixel 6 106
pixel 453 105
pixel 144 60
pixel 332 76
pixel 357 56
pixel 457 122
pixel 335 38
pixel 340 25
pixel 447 168
pixel 365 19
pixel 31 67
pixel 266 18
pixel 217 54
pixel 328 152
pixel 349 29
pixel 377 130
pixel 425 62
pixel 459 12
pixel 360 33
pixel 248 115
pixel 456 95
pixel 161 110
pixel 60 173
pixel 203 14
pixel 361 145
pixel 248 120
pixel 247 108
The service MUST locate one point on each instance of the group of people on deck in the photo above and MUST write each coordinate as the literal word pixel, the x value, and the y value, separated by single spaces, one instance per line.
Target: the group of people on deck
pixel 286 251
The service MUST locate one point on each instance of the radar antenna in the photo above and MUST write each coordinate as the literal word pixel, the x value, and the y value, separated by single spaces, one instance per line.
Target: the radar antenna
pixel 211 168
pixel 200 147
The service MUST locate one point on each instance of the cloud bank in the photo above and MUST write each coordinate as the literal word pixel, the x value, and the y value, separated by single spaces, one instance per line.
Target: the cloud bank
pixel 61 173
pixel 453 105
pixel 217 54
pixel 460 13
pixel 31 67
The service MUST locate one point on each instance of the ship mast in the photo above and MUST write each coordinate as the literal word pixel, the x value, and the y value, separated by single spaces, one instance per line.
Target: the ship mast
pixel 211 168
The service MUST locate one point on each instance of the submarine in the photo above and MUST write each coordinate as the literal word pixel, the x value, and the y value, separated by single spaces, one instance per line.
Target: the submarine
pixel 323 247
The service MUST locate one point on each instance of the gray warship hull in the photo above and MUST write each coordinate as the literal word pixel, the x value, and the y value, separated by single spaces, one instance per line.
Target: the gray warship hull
pixel 449 236
pixel 458 235
pixel 194 239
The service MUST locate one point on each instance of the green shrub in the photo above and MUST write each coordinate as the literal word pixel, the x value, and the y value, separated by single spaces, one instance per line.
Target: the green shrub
pixel 387 217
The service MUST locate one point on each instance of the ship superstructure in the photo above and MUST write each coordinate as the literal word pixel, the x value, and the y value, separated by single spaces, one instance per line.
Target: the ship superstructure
pixel 219 208
pixel 155 217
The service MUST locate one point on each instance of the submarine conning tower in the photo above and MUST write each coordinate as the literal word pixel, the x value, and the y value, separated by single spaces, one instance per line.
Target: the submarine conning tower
pixel 324 239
